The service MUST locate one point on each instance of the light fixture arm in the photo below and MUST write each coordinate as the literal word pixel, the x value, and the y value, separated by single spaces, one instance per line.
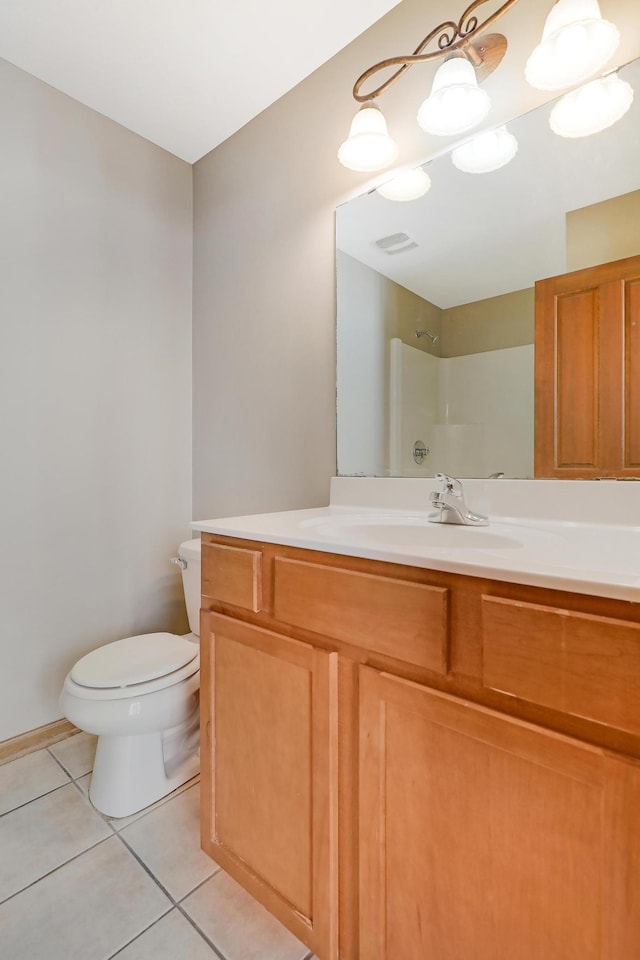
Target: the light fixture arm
pixel 451 38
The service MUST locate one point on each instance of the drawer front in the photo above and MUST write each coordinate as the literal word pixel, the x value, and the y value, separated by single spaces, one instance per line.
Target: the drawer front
pixel 396 618
pixel 579 664
pixel 232 575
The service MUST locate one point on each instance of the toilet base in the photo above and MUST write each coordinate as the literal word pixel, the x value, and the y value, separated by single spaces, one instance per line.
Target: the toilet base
pixel 129 773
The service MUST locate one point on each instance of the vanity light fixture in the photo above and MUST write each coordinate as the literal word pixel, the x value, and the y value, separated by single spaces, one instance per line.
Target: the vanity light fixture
pixel 592 108
pixel 487 151
pixel 456 103
pixel 408 185
pixel 369 146
pixel 576 44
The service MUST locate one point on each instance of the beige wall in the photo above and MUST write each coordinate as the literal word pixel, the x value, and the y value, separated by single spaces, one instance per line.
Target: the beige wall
pixel 604 232
pixel 496 323
pixel 95 389
pixel 492 324
pixel 409 313
pixel 264 267
pixel 264 260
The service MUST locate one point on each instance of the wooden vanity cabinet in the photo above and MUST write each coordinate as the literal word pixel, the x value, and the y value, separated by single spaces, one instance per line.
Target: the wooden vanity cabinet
pixel 488 838
pixel 269 758
pixel 450 772
pixel 587 372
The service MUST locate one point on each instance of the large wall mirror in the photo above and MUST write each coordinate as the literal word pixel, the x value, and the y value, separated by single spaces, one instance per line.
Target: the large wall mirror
pixel 435 297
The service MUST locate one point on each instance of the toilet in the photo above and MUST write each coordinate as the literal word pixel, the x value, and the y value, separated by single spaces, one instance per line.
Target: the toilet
pixel 140 697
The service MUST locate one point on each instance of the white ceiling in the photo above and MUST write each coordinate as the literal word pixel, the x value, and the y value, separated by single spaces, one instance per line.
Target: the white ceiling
pixel 185 74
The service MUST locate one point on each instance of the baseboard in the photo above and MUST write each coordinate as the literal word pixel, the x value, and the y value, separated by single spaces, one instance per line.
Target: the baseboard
pixel 36 739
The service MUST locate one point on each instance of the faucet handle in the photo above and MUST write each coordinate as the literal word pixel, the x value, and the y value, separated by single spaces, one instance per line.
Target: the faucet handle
pixel 450 485
pixel 450 510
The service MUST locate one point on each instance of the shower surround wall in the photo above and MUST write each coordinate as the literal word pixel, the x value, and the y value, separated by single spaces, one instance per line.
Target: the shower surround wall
pixel 465 391
pixel 474 412
pixel 95 389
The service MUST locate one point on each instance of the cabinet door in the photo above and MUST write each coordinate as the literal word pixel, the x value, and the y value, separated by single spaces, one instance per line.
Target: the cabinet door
pixel 485 838
pixel 587 390
pixel 269 772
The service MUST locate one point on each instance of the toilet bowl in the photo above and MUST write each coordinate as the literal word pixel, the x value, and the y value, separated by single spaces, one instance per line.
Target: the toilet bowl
pixel 140 697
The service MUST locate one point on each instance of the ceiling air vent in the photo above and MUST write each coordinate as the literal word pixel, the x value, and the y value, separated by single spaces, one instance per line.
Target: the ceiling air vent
pixel 396 243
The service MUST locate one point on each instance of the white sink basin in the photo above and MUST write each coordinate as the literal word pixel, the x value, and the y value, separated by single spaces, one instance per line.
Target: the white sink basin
pixel 415 531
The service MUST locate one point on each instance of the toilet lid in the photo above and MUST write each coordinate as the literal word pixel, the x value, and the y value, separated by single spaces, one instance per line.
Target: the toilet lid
pixel 134 660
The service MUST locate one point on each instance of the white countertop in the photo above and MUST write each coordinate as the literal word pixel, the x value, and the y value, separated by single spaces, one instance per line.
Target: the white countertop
pixel 602 559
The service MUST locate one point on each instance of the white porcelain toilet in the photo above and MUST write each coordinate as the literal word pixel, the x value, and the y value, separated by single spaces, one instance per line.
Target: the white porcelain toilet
pixel 140 696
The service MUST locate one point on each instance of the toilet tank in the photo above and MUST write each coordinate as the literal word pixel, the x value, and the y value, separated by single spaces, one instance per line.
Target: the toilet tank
pixel 189 552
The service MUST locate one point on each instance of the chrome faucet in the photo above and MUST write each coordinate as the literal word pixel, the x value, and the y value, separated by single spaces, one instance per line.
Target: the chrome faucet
pixel 450 506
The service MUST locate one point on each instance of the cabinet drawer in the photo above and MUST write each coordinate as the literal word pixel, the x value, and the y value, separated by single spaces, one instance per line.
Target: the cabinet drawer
pixel 579 664
pixel 232 575
pixel 396 618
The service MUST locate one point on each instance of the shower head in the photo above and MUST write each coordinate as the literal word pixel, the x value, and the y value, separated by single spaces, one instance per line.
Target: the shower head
pixel 425 333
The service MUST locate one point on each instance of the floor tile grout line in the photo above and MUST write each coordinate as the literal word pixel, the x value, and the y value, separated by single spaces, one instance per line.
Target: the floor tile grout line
pixel 61 764
pixel 50 872
pixel 195 926
pixel 175 902
pixel 107 819
pixel 154 806
pixel 85 796
pixel 144 866
pixel 110 820
pixel 47 793
pixel 216 870
pixel 115 832
pixel 141 933
pixel 182 909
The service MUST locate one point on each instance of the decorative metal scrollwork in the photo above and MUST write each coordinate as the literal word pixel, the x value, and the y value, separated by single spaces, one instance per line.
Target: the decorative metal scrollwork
pixel 449 36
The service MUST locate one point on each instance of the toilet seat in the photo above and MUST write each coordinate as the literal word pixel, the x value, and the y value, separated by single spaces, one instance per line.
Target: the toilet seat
pixel 134 666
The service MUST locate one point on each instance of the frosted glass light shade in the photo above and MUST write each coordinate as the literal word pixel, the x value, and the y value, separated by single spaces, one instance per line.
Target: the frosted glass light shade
pixel 487 151
pixel 368 147
pixel 591 108
pixel 456 102
pixel 408 185
pixel 576 43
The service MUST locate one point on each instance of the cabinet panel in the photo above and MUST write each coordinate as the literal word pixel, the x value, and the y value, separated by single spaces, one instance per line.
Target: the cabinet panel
pixel 483 837
pixel 632 375
pixel 576 663
pixel 271 760
pixel 232 575
pixel 577 384
pixel 404 620
pixel 587 372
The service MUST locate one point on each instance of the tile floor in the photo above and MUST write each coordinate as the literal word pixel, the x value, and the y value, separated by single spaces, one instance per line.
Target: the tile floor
pixel 75 885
